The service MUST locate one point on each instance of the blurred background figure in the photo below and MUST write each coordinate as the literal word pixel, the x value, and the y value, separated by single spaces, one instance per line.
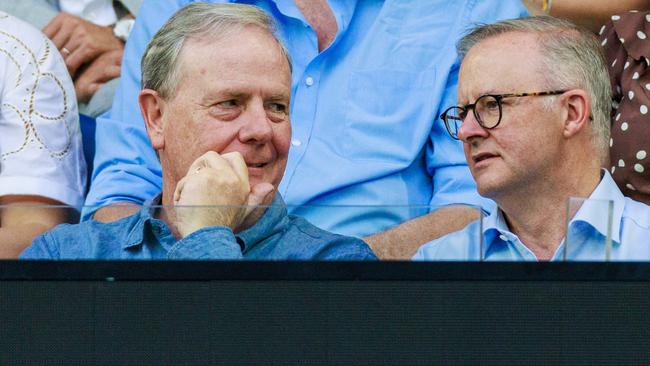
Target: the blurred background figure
pixel 623 28
pixel 627 50
pixel 90 34
pixel 41 160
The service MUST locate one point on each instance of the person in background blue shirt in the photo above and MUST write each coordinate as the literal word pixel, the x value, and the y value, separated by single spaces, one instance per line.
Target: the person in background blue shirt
pixel 369 80
pixel 215 100
pixel 534 114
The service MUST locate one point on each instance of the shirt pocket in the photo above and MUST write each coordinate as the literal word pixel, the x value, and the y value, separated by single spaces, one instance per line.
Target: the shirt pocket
pixel 388 115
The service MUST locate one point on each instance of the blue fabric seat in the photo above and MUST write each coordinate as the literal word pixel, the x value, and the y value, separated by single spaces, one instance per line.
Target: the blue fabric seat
pixel 88 126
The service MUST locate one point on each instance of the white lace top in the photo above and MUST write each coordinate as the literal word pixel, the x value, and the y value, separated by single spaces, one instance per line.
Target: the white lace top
pixel 40 140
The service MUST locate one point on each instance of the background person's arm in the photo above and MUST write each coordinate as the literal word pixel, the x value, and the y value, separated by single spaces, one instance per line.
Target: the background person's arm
pixel 591 14
pixel 20 223
pixel 402 241
pixel 42 158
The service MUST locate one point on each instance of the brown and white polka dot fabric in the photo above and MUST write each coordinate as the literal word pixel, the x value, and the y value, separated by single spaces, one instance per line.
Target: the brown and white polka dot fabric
pixel 626 42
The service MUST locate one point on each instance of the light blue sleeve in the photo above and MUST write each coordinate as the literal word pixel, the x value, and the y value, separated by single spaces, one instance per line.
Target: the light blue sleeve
pixel 126 168
pixel 452 181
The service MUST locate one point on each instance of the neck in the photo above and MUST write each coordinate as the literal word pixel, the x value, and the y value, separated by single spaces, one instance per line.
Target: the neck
pixel 537 213
pixel 166 213
pixel 319 15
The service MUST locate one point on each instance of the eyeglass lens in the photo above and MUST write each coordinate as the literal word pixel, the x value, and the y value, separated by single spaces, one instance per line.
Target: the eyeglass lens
pixel 487 111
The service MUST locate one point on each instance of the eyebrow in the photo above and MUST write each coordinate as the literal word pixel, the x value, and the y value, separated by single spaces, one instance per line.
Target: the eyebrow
pixel 486 92
pixel 282 96
pixel 210 96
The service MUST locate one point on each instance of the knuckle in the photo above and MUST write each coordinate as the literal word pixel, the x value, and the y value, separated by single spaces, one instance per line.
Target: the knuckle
pixel 211 154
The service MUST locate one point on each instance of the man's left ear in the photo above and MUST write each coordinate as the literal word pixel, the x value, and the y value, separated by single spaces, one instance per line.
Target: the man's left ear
pixel 577 113
pixel 152 106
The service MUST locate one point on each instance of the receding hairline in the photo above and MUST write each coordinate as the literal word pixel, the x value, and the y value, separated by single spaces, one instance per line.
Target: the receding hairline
pixel 543 27
pixel 569 57
pixel 212 40
pixel 197 21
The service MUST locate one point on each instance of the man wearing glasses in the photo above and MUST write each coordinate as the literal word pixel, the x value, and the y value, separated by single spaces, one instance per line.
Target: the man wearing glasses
pixel 534 120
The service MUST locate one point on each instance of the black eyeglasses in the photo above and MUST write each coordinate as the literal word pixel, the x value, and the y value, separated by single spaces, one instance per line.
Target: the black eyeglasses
pixel 487 110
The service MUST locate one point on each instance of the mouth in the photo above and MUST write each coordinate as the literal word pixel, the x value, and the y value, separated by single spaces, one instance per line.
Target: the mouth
pixel 482 157
pixel 256 165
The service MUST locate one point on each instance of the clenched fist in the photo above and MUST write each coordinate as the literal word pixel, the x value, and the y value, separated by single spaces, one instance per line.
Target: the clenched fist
pixel 220 184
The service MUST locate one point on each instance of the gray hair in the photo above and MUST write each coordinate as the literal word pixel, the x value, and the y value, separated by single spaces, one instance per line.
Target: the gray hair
pixel 571 58
pixel 196 21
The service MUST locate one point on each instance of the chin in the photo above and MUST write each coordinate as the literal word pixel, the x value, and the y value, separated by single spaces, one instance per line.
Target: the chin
pixel 488 188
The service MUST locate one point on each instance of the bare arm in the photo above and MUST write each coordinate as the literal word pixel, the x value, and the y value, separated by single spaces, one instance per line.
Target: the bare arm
pixel 19 224
pixel 116 211
pixel 591 14
pixel 402 241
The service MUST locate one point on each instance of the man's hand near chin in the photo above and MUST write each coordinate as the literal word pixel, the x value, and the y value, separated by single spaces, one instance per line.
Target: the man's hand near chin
pixel 220 183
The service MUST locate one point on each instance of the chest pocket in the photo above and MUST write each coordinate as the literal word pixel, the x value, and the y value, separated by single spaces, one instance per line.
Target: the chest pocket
pixel 388 115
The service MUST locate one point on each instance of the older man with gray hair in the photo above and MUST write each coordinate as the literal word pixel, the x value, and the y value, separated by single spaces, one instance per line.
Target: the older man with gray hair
pixel 534 119
pixel 215 100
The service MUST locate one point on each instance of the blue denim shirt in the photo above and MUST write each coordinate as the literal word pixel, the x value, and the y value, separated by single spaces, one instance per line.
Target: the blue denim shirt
pixel 276 236
pixel 364 112
pixel 630 234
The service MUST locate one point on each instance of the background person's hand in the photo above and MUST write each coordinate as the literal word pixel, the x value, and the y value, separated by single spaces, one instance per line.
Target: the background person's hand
pixel 79 40
pixel 220 183
pixel 105 68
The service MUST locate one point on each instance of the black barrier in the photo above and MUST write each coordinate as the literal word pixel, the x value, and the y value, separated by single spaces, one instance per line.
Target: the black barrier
pixel 335 313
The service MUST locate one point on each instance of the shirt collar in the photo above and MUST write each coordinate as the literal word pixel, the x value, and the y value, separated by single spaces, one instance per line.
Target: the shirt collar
pixel 594 210
pixel 144 216
pixel 495 224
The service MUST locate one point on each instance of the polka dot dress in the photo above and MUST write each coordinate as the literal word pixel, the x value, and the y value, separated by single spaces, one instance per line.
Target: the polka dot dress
pixel 627 49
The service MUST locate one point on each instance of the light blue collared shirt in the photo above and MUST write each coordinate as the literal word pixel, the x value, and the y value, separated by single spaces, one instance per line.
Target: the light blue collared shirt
pixel 588 230
pixel 364 112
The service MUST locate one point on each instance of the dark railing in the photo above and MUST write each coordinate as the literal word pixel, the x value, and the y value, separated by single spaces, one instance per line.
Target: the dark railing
pixel 323 313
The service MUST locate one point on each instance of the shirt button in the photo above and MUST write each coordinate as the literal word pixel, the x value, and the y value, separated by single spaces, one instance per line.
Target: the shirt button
pixel 296 142
pixel 309 81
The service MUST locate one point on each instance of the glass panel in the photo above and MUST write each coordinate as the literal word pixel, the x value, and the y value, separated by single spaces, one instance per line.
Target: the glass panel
pixel 589 230
pixel 463 243
pixel 138 232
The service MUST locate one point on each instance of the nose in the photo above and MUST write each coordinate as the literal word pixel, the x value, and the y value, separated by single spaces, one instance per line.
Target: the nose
pixel 471 129
pixel 257 128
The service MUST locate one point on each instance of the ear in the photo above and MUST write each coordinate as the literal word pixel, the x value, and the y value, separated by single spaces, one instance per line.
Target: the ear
pixel 152 108
pixel 577 114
